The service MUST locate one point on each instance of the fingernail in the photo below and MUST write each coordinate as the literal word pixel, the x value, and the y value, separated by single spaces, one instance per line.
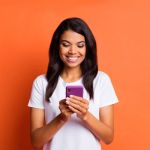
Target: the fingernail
pixel 67 101
pixel 67 98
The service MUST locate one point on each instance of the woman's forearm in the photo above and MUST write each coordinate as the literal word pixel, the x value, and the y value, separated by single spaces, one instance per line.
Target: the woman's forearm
pixel 44 134
pixel 99 129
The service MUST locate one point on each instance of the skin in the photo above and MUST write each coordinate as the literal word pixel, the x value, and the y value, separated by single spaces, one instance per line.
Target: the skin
pixel 72 53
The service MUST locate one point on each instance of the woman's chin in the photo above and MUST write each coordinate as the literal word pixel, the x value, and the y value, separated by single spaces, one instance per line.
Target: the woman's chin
pixel 72 65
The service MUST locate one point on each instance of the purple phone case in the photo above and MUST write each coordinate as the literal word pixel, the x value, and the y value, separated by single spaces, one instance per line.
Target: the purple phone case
pixel 74 90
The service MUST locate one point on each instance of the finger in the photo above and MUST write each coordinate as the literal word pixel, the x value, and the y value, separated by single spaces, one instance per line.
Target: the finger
pixel 83 110
pixel 64 107
pixel 68 110
pixel 75 103
pixel 78 103
pixel 75 110
pixel 62 101
pixel 79 99
pixel 65 111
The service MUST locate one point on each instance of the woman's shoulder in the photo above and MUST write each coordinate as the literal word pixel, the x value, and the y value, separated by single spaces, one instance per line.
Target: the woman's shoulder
pixel 101 75
pixel 40 79
pixel 102 78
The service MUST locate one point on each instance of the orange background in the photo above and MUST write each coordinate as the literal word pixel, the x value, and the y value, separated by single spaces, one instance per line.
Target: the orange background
pixel 122 32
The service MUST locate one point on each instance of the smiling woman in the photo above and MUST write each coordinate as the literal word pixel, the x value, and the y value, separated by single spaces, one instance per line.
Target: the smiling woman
pixel 72 49
pixel 72 123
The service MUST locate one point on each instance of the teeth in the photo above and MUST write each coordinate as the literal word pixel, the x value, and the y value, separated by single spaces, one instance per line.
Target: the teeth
pixel 72 58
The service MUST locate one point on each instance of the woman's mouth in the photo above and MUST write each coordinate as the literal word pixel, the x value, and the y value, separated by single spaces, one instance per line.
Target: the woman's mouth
pixel 72 59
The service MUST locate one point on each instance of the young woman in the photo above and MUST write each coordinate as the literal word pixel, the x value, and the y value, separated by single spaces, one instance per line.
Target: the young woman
pixel 72 123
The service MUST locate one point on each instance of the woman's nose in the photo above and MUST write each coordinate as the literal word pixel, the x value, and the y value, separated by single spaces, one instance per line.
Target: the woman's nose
pixel 72 49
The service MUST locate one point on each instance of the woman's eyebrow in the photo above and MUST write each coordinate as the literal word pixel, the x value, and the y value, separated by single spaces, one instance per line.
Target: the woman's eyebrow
pixel 64 41
pixel 70 42
pixel 81 42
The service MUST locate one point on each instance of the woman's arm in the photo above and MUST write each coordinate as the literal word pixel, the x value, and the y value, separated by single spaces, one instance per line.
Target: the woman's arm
pixel 41 133
pixel 103 129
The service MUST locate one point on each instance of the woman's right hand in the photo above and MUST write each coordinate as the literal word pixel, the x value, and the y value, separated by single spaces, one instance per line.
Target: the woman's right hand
pixel 65 111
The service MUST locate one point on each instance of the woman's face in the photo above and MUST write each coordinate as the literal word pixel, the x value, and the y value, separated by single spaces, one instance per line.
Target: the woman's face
pixel 72 49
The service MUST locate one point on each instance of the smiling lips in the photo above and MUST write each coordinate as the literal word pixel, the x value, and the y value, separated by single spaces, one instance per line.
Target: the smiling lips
pixel 72 59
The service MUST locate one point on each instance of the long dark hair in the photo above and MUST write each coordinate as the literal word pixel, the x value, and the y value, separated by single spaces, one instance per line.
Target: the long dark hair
pixel 89 66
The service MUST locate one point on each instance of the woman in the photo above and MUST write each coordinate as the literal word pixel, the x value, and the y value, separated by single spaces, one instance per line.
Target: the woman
pixel 72 123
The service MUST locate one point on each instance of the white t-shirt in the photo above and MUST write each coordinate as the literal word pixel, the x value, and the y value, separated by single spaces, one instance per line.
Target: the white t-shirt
pixel 73 135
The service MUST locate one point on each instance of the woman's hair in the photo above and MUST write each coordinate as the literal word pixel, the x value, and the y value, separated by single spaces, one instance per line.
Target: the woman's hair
pixel 89 65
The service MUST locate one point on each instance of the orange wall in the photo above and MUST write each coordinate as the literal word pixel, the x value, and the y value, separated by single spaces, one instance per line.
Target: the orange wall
pixel 122 32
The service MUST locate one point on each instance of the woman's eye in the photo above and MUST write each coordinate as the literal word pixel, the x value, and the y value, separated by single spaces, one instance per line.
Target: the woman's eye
pixel 65 45
pixel 80 46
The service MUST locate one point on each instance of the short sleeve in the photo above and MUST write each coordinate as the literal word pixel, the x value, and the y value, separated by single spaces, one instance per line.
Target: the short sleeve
pixel 105 93
pixel 37 94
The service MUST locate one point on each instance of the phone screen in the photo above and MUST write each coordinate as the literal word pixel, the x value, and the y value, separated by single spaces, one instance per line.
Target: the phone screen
pixel 74 90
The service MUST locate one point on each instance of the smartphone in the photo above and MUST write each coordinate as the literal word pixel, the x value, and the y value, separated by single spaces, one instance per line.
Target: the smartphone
pixel 74 90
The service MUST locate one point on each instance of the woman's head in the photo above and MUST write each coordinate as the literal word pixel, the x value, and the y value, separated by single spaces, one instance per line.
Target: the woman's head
pixel 79 26
pixel 88 62
pixel 72 49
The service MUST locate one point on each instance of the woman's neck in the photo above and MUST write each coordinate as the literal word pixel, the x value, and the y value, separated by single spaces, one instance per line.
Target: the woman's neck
pixel 70 75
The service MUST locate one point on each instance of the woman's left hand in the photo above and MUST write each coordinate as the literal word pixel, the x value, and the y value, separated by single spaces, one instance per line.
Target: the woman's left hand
pixel 78 105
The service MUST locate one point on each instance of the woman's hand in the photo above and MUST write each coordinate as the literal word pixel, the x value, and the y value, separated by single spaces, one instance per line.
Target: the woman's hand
pixel 65 111
pixel 79 106
pixel 103 128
